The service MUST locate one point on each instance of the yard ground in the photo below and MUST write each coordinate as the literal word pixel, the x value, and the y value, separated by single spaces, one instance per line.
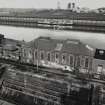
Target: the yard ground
pixel 2 102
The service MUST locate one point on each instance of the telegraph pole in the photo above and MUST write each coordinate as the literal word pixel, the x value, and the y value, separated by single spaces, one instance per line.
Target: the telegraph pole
pixel 37 55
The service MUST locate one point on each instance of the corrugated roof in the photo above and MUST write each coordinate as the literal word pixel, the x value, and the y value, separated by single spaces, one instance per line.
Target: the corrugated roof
pixel 11 44
pixel 12 41
pixel 10 47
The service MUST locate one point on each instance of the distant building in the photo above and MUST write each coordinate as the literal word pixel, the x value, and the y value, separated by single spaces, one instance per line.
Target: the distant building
pixel 101 10
pixel 82 19
pixel 84 10
pixel 72 6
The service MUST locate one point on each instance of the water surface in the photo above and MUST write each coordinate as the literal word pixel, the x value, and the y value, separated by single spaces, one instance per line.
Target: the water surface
pixel 28 34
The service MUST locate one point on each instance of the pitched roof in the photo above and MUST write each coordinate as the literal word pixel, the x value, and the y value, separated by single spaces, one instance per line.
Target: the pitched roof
pixel 68 45
pixel 11 44
pixel 10 48
pixel 12 41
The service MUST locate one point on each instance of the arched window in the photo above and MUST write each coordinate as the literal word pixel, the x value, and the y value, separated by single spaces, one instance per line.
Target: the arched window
pixel 57 57
pixel 78 61
pixel 99 69
pixel 86 62
pixel 64 58
pixel 71 60
pixel 42 55
pixel 36 54
pixel 49 56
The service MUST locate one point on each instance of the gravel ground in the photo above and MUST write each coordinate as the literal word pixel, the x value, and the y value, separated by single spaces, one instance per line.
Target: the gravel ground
pixel 5 103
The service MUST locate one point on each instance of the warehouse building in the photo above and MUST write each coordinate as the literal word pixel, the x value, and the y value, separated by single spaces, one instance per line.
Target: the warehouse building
pixel 67 52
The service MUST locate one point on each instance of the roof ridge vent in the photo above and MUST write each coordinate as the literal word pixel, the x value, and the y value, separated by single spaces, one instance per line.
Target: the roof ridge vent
pixel 72 41
pixel 59 46
pixel 45 38
pixel 89 47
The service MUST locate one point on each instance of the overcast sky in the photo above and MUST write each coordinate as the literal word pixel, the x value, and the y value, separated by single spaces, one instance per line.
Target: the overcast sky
pixel 48 3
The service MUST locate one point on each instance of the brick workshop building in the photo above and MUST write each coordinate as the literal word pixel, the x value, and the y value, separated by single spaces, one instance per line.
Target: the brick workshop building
pixel 67 52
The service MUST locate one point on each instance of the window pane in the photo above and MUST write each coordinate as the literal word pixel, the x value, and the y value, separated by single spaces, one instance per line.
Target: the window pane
pixel 71 60
pixel 56 57
pixel 42 55
pixel 48 57
pixel 30 52
pixel 36 56
pixel 78 61
pixel 63 59
pixel 99 69
pixel 86 62
pixel 82 61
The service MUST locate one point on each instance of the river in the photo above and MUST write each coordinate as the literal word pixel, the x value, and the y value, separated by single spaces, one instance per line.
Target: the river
pixel 28 34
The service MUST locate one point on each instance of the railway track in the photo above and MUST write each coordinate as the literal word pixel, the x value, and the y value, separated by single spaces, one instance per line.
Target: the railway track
pixel 9 101
pixel 33 68
pixel 57 73
pixel 53 72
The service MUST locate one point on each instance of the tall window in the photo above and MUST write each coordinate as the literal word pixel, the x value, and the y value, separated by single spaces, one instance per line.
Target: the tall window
pixel 49 56
pixel 24 53
pixel 57 57
pixel 42 55
pixel 36 54
pixel 99 69
pixel 86 62
pixel 71 60
pixel 30 54
pixel 78 61
pixel 64 59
